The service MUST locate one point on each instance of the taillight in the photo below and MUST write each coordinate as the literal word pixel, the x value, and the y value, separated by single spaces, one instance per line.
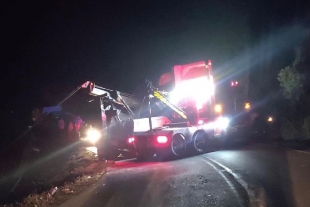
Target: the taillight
pixel 131 140
pixel 162 139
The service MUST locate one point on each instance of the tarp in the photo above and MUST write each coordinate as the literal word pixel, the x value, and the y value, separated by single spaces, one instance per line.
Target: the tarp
pixel 46 110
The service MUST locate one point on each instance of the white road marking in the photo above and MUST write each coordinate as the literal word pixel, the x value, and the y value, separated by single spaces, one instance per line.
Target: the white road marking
pixel 302 152
pixel 253 200
pixel 227 181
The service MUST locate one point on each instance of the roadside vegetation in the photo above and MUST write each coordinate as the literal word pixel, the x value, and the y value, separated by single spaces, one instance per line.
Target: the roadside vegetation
pixel 52 177
pixel 57 196
pixel 295 83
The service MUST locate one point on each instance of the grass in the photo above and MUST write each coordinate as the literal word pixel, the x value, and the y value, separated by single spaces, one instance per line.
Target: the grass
pixel 46 199
pixel 71 172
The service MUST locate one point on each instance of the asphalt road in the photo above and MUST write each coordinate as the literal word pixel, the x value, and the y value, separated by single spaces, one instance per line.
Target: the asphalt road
pixel 256 175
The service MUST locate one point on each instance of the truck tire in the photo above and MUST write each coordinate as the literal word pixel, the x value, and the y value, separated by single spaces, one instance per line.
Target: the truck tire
pixel 200 139
pixel 178 145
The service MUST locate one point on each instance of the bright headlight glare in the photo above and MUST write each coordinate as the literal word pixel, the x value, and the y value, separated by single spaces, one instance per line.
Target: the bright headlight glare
pixel 270 119
pixel 199 89
pixel 223 123
pixel 93 135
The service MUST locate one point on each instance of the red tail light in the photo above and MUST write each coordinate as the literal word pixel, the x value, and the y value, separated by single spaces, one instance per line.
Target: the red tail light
pixel 162 139
pixel 131 140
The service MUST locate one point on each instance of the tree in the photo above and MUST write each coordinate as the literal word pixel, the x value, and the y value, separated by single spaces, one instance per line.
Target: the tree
pixel 294 80
pixel 291 81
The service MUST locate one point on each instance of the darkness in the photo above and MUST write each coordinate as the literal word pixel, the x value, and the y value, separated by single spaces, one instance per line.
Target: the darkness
pixel 50 47
pixel 54 46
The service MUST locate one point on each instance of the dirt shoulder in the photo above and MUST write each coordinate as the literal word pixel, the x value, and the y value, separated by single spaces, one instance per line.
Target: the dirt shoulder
pixel 302 145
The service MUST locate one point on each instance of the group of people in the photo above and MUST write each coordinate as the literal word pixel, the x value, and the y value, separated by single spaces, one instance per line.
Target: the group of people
pixel 71 132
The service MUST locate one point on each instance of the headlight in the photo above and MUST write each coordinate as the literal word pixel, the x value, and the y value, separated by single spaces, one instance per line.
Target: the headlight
pixel 218 108
pixel 223 123
pixel 93 135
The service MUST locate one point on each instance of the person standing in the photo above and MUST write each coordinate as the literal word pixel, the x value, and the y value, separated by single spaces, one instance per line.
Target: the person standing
pixel 70 131
pixel 78 123
pixel 61 129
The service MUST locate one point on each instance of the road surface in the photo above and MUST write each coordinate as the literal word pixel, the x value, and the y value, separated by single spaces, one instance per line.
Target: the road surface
pixel 256 175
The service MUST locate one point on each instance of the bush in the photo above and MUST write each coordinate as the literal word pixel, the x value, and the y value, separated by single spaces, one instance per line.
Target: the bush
pixel 306 128
pixel 288 130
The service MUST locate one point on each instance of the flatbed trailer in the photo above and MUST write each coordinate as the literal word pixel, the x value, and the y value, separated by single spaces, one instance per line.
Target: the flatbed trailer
pixel 177 141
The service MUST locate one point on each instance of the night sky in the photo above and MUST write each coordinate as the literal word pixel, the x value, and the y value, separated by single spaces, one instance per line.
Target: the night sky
pixel 119 43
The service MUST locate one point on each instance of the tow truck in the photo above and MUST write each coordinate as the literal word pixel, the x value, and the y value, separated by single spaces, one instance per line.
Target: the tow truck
pixel 180 116
pixel 194 125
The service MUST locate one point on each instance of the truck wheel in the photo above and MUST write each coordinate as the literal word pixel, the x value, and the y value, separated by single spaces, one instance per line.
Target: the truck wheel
pixel 178 145
pixel 200 142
